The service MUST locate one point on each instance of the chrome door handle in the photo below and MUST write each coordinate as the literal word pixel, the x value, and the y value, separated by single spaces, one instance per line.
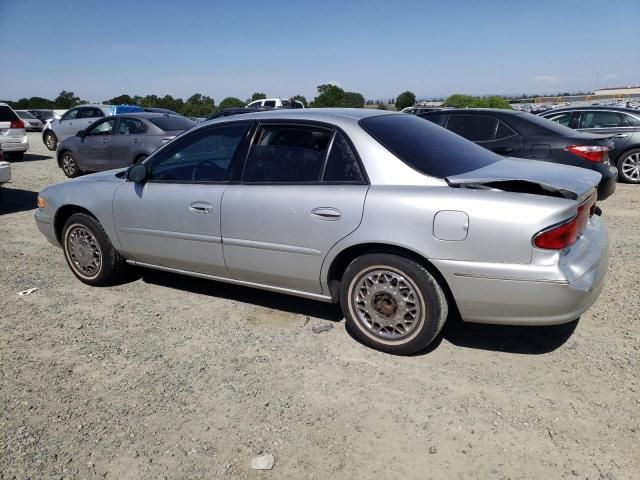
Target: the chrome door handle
pixel 201 207
pixel 326 213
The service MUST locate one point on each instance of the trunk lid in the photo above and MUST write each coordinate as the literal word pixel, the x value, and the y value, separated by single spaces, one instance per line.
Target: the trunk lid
pixel 535 177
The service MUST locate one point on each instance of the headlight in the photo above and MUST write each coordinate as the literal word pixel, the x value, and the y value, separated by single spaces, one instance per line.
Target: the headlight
pixel 41 202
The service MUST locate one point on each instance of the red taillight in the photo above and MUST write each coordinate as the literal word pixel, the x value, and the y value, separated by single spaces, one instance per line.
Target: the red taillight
pixel 16 124
pixel 592 153
pixel 567 233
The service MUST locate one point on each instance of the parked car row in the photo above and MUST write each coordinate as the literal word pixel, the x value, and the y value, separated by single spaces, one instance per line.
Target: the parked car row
pixel 13 137
pixel 389 215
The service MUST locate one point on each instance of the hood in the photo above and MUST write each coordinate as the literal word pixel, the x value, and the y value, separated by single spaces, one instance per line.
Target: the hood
pixel 531 176
pixel 106 176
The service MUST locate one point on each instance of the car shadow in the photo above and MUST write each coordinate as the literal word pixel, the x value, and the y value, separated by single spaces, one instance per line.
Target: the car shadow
pixel 31 157
pixel 238 293
pixel 13 200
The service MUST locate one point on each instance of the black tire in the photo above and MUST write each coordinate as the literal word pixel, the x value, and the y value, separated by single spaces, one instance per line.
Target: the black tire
pixel 69 164
pixel 140 159
pixel 417 287
pixel 627 164
pixel 50 140
pixel 16 156
pixel 81 235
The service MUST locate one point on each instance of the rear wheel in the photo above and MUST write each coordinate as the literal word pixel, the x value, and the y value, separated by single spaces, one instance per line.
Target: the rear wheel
pixel 629 166
pixel 392 304
pixel 69 165
pixel 50 140
pixel 89 252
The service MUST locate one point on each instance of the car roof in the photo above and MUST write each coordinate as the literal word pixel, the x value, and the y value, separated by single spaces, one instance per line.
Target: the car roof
pixel 596 107
pixel 331 115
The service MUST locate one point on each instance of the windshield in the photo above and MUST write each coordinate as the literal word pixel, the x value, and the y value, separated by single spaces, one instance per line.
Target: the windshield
pixel 27 115
pixel 172 122
pixel 428 148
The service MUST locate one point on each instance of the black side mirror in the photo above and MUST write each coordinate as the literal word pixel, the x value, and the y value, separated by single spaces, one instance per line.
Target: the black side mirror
pixel 137 173
pixel 80 134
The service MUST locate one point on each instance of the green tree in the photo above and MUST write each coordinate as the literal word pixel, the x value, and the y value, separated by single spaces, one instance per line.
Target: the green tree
pixel 405 99
pixel 120 100
pixel 198 105
pixel 329 96
pixel 352 100
pixel 67 100
pixel 231 102
pixel 497 102
pixel 258 96
pixel 467 101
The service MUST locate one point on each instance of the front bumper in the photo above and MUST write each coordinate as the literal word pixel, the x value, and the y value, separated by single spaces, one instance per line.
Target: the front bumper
pixel 5 172
pixel 46 227
pixel 15 144
pixel 547 293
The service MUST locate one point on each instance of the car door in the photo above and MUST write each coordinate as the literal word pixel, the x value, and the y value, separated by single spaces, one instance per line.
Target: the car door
pixel 126 141
pixel 68 125
pixel 487 131
pixel 173 219
pixel 607 122
pixel 94 153
pixel 302 190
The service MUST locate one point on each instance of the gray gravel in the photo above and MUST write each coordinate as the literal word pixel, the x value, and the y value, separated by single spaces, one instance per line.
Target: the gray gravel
pixel 170 377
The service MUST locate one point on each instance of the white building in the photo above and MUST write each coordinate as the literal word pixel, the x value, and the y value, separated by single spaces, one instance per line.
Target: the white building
pixel 635 91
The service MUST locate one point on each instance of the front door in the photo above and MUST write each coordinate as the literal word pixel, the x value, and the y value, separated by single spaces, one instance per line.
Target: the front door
pixel 302 191
pixel 173 220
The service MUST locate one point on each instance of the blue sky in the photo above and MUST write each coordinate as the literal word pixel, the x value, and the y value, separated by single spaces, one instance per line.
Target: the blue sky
pixel 378 48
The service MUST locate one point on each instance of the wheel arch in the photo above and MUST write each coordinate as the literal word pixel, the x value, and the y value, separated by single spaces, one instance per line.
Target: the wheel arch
pixel 626 151
pixel 62 215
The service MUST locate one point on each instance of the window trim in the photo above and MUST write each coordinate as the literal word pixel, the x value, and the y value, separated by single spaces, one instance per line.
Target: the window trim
pixel 308 124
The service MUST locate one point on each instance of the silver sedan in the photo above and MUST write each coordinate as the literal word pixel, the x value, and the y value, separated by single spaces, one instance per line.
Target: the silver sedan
pixel 399 220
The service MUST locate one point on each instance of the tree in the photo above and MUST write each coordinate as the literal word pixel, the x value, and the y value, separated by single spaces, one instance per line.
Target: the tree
pixel 231 102
pixel 352 100
pixel 300 98
pixel 120 100
pixel 405 99
pixel 467 101
pixel 258 96
pixel 67 100
pixel 198 105
pixel 329 96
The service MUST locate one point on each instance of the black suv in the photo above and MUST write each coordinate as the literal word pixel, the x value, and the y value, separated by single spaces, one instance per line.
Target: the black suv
pixel 523 135
pixel 623 124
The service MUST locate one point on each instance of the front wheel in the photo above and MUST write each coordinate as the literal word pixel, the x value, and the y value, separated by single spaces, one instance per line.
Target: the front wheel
pixel 629 166
pixel 50 140
pixel 392 304
pixel 89 252
pixel 69 165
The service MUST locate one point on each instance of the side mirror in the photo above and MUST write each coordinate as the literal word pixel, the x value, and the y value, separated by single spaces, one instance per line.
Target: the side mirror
pixel 80 134
pixel 137 173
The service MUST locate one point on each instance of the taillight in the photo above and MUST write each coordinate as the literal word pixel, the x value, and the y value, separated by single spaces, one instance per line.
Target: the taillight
pixel 16 124
pixel 589 152
pixel 567 233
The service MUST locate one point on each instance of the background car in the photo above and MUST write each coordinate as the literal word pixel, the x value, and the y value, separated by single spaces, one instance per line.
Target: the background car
pixel 13 137
pixel 79 118
pixel 118 141
pixel 416 110
pixel 161 110
pixel 524 135
pixel 622 124
pixel 44 114
pixel 237 111
pixel 5 171
pixel 276 103
pixel 396 219
pixel 31 122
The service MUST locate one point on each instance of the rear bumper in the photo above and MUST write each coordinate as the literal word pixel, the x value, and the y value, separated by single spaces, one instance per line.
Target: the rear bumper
pixel 15 144
pixel 544 294
pixel 5 172
pixel 607 185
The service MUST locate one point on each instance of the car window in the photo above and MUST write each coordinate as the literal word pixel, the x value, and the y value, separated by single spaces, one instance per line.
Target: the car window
pixel 71 114
pixel 172 122
pixel 270 103
pixel 601 120
pixel 563 118
pixel 477 128
pixel 504 131
pixel 435 118
pixel 26 115
pixel 256 103
pixel 203 156
pixel 289 154
pixel 7 114
pixel 131 126
pixel 102 128
pixel 631 120
pixel 342 164
pixel 426 147
pixel 90 112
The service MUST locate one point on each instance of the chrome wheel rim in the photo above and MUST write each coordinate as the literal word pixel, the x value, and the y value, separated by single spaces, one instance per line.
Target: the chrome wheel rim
pixel 386 303
pixel 68 164
pixel 631 167
pixel 83 251
pixel 51 144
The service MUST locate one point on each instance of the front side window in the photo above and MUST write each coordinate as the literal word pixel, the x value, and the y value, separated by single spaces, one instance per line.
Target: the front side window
pixel 601 120
pixel 342 164
pixel 102 128
pixel 287 154
pixel 563 118
pixel 270 103
pixel 90 112
pixel 203 156
pixel 131 126
pixel 71 114
pixel 477 128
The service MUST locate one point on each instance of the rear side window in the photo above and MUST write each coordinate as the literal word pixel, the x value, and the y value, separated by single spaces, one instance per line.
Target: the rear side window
pixel 342 164
pixel 563 118
pixel 287 154
pixel 478 128
pixel 504 131
pixel 172 122
pixel 601 120
pixel 632 121
pixel 131 126
pixel 426 147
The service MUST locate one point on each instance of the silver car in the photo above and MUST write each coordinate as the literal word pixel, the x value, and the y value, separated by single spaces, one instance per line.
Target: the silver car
pixel 118 141
pixel 31 122
pixel 395 218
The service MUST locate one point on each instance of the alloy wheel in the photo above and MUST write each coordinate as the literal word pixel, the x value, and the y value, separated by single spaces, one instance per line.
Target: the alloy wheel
pixel 68 165
pixel 630 167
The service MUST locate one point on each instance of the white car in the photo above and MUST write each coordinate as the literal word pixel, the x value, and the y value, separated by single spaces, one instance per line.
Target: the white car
pixel 276 103
pixel 5 170
pixel 13 137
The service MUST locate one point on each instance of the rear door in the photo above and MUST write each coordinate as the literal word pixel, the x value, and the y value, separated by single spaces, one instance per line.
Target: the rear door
pixel 302 190
pixel 606 122
pixel 126 141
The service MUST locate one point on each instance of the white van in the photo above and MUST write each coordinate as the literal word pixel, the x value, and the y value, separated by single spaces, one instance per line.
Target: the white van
pixel 276 103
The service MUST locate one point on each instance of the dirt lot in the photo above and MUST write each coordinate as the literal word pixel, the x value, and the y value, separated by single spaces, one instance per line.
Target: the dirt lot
pixel 171 377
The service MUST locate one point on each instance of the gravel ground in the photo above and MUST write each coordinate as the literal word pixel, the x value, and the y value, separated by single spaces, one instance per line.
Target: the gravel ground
pixel 172 377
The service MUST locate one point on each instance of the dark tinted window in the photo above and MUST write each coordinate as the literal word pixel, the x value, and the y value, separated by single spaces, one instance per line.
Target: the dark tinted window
pixel 436 118
pixel 270 103
pixel 287 154
pixel 203 156
pixel 601 120
pixel 563 118
pixel 90 112
pixel 6 114
pixel 25 115
pixel 172 122
pixel 104 127
pixel 131 126
pixel 342 164
pixel 473 127
pixel 632 121
pixel 426 147
pixel 504 131
pixel 71 114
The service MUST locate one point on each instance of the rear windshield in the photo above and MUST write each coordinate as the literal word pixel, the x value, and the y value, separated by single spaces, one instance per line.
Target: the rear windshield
pixel 172 122
pixel 6 114
pixel 25 115
pixel 428 148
